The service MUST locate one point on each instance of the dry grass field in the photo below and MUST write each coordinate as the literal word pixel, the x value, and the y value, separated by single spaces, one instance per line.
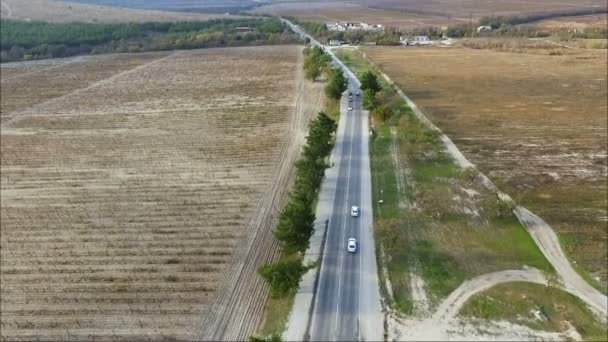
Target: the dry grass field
pixel 351 11
pixel 415 13
pixel 580 21
pixel 60 11
pixel 131 192
pixel 478 8
pixel 535 123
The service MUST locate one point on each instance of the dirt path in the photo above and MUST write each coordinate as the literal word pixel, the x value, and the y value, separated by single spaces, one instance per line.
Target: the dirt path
pixel 449 308
pixel 239 303
pixel 548 242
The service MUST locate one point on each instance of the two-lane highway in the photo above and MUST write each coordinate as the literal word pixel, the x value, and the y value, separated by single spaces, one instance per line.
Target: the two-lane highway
pixel 346 305
pixel 336 308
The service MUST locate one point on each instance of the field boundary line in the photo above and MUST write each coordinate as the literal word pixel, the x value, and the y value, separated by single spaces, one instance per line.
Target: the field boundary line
pixel 31 111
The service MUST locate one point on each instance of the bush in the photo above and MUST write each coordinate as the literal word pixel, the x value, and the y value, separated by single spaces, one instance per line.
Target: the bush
pixel 382 113
pixel 271 338
pixel 369 99
pixel 284 276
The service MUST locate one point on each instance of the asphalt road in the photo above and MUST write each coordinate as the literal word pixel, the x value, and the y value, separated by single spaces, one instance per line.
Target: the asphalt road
pixel 347 297
pixel 336 308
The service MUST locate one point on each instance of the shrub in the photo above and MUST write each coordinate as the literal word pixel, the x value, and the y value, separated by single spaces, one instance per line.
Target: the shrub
pixel 284 276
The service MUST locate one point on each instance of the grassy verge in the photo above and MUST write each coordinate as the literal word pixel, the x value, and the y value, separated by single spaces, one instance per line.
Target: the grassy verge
pixel 535 306
pixel 432 218
pixel 276 310
pixel 332 108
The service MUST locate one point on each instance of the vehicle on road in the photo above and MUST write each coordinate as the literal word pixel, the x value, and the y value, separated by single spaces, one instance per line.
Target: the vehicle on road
pixel 354 211
pixel 352 245
pixel 350 108
pixel 358 93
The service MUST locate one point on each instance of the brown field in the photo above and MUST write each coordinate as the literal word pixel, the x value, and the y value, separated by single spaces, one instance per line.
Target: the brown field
pixel 349 11
pixel 579 21
pixel 126 192
pixel 60 11
pixel 478 8
pixel 535 123
pixel 415 13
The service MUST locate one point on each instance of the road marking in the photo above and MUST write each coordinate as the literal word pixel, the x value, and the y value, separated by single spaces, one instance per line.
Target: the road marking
pixel 340 146
pixel 360 221
pixel 350 156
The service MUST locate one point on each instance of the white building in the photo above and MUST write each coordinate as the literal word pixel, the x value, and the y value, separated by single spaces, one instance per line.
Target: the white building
pixel 417 40
pixel 353 26
pixel 336 27
pixel 484 28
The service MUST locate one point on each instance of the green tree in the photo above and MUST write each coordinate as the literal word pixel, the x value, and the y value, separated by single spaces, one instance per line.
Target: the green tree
pixel 369 80
pixel 283 276
pixel 336 84
pixel 296 222
pixel 315 62
pixel 369 99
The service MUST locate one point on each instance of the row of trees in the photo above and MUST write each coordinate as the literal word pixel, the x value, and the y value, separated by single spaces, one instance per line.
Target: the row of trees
pixel 296 221
pixel 317 63
pixel 21 40
pixel 383 102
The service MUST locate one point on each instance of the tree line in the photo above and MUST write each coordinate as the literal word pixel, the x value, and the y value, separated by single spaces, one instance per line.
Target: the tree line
pixel 296 221
pixel 316 64
pixel 20 40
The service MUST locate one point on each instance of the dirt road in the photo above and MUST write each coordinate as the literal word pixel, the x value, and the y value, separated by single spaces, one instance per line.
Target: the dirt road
pixel 546 239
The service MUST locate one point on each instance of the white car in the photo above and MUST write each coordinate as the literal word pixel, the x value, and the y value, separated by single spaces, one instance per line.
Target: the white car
pixel 352 245
pixel 350 108
pixel 354 211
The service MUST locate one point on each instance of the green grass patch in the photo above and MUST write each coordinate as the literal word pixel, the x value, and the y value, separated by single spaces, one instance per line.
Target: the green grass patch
pixel 276 314
pixel 440 271
pixel 538 307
